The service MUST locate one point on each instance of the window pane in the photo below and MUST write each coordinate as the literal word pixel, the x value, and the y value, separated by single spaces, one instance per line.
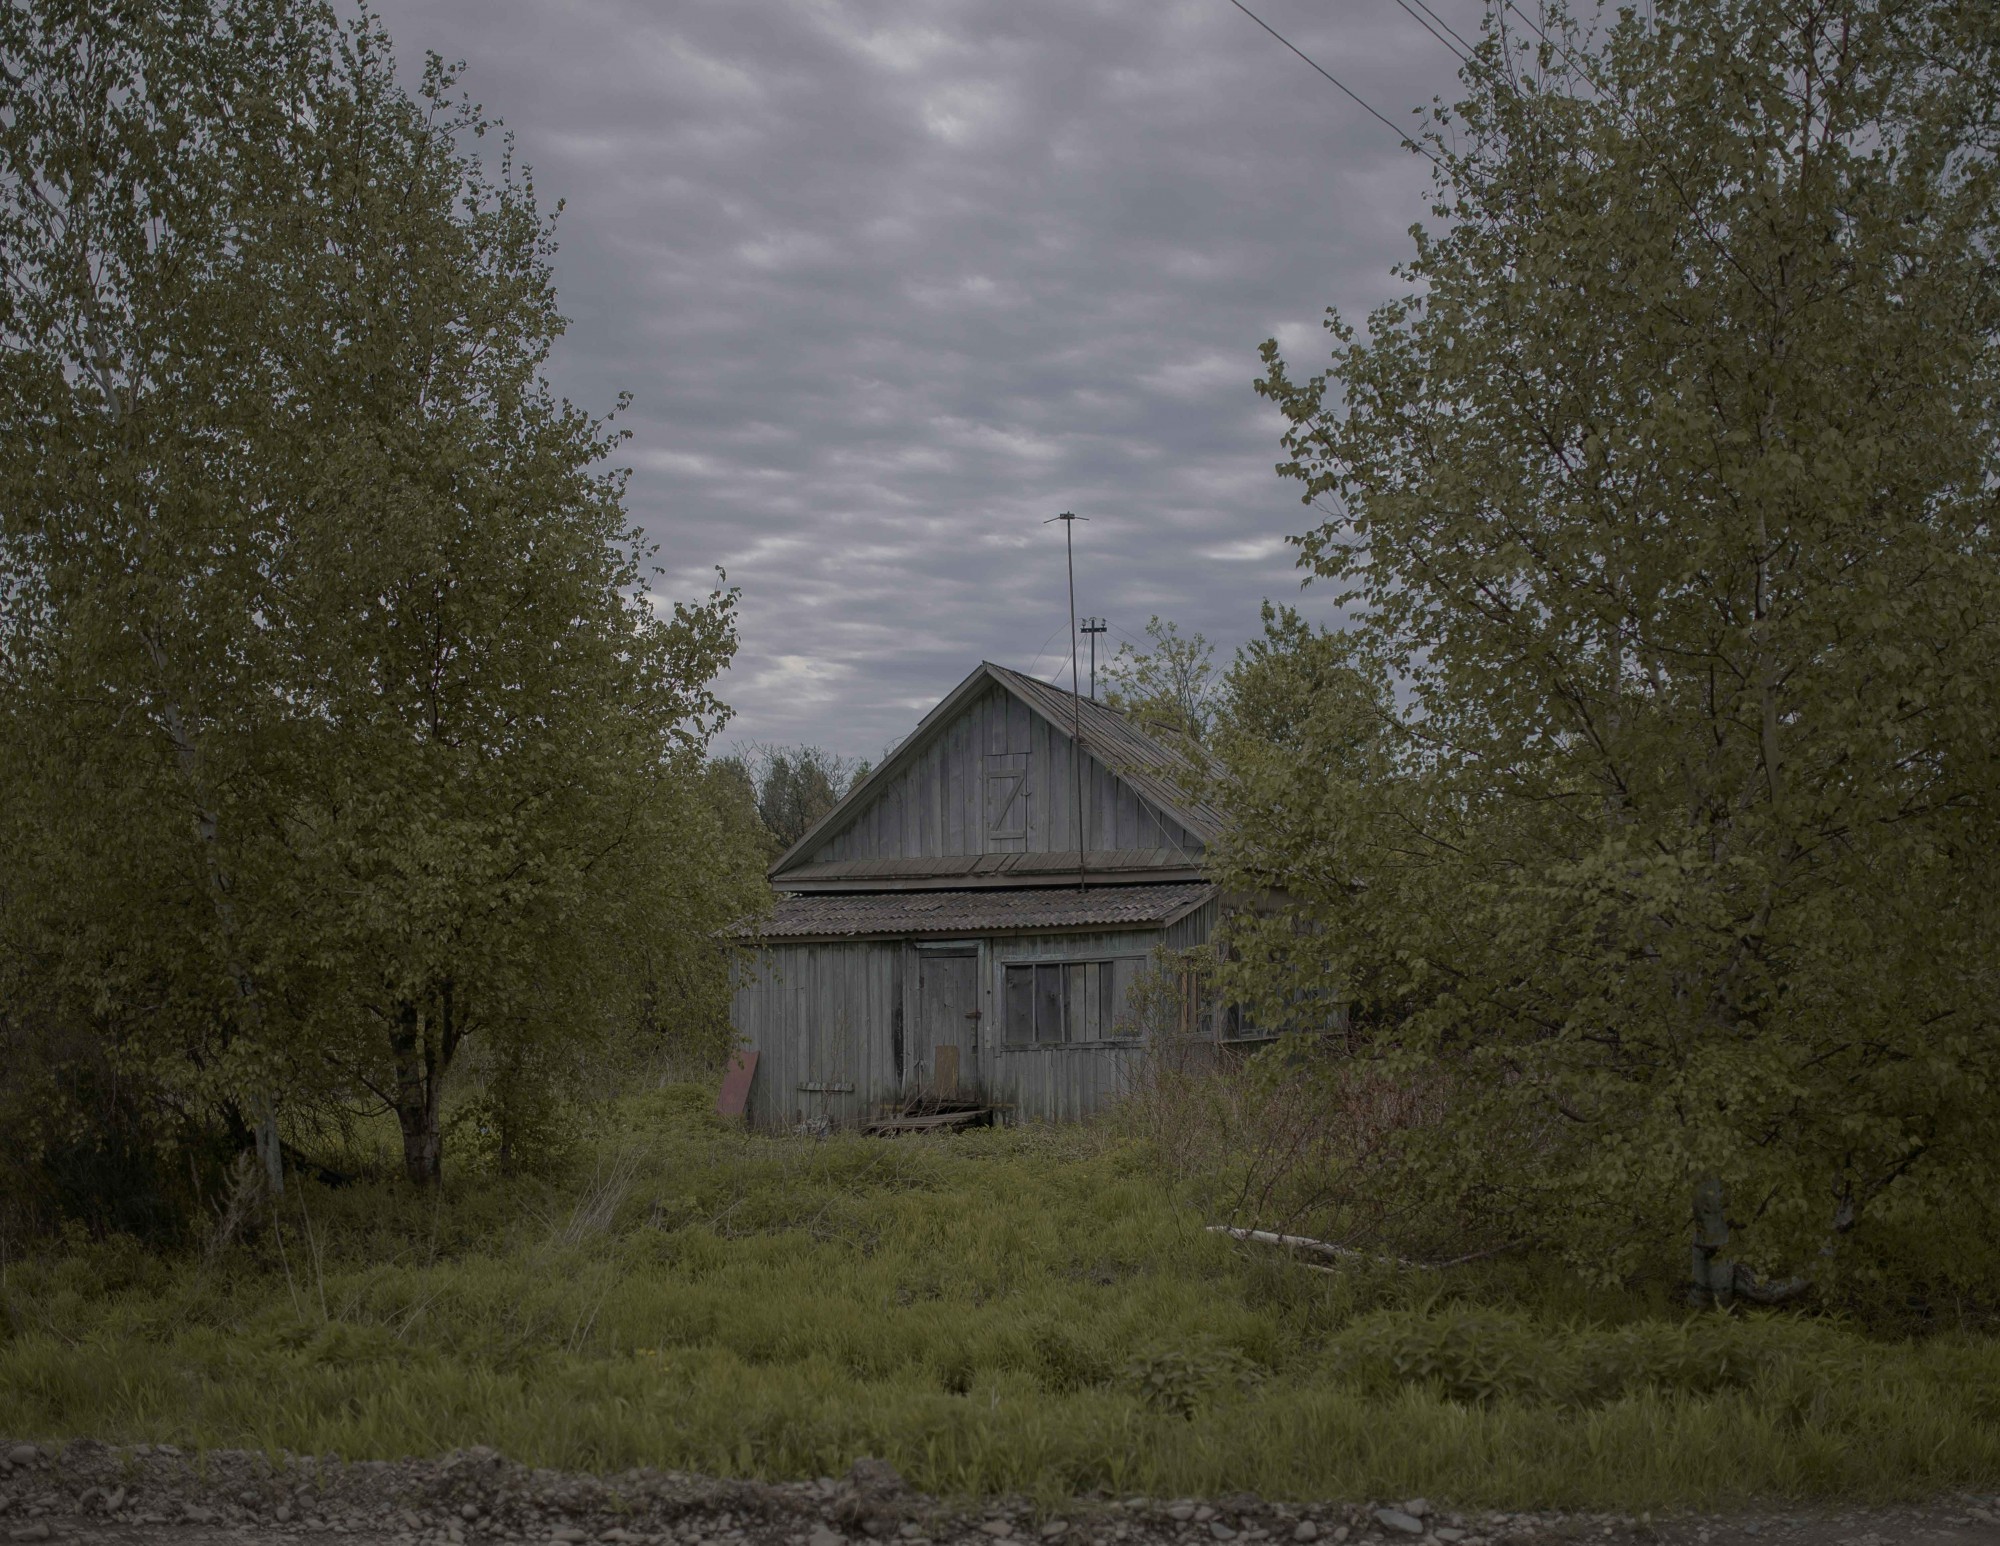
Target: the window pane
pixel 1124 1022
pixel 1020 1007
pixel 1048 1004
pixel 1076 1026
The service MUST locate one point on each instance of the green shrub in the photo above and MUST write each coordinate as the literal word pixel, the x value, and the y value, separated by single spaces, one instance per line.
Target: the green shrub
pixel 1013 1311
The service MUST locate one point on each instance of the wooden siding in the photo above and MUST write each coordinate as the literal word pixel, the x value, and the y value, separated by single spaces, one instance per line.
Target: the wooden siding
pixel 826 1021
pixel 843 1036
pixel 1059 1083
pixel 939 805
pixel 1196 929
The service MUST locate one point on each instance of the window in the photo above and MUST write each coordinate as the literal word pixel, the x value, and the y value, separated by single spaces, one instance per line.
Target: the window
pixel 1048 1003
pixel 1006 802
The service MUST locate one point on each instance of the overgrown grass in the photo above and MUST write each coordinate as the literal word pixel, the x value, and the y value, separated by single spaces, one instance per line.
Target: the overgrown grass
pixel 1008 1311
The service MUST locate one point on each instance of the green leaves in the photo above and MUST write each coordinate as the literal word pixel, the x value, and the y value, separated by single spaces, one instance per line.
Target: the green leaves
pixel 343 731
pixel 1170 688
pixel 1667 502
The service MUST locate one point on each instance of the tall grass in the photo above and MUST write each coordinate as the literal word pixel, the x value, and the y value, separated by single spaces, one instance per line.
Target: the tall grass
pixel 1003 1311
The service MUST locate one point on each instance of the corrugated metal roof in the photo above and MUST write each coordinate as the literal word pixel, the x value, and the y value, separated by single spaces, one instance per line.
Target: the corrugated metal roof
pixel 1155 770
pixel 982 912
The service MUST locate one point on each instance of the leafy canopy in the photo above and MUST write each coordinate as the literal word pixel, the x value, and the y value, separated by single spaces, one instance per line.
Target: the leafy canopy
pixel 1170 688
pixel 342 731
pixel 1666 500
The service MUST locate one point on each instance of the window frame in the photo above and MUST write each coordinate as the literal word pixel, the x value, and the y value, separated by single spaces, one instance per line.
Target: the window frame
pixel 1063 970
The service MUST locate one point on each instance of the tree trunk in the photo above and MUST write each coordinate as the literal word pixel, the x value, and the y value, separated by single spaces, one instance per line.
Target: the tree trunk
pixel 422 1046
pixel 249 1017
pixel 1717 1281
pixel 1713 1277
pixel 270 1152
pixel 118 382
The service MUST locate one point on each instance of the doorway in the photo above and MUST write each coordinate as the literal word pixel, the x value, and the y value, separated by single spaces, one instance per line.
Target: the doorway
pixel 948 1022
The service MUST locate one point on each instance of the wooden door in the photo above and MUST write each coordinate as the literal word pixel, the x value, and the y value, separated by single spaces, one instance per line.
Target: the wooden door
pixel 948 1022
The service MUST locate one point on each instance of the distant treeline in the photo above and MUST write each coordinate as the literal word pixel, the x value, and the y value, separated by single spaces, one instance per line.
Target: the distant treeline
pixel 788 787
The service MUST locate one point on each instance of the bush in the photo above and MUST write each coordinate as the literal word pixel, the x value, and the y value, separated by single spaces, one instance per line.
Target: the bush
pixel 1473 1354
pixel 1009 1311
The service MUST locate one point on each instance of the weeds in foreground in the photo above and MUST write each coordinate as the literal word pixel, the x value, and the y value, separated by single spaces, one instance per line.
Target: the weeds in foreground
pixel 1006 1311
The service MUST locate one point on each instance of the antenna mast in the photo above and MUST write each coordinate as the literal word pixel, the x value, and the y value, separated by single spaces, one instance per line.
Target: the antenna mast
pixel 1069 521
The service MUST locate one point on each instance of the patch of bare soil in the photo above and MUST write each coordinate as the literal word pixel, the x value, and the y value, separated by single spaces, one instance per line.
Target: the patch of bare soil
pixel 90 1494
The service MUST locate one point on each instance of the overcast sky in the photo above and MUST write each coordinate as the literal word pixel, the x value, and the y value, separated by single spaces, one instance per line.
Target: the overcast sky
pixel 893 281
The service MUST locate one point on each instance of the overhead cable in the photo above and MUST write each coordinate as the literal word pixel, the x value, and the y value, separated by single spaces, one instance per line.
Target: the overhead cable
pixel 1349 91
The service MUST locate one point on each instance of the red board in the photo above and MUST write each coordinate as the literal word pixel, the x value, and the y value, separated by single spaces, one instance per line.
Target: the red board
pixel 735 1096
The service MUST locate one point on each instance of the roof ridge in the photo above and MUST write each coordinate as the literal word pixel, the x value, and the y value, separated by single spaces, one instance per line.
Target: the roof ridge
pixel 1124 748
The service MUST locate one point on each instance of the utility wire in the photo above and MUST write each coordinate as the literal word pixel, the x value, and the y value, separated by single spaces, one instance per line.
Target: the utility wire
pixel 1041 652
pixel 1347 90
pixel 1569 60
pixel 1448 27
pixel 1419 17
pixel 1577 73
pixel 1631 122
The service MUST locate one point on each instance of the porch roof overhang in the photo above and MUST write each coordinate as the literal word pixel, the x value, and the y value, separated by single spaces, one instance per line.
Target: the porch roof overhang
pixel 961 914
pixel 965 872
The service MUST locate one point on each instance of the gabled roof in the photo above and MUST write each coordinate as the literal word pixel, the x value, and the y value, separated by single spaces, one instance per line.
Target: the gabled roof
pixel 1152 769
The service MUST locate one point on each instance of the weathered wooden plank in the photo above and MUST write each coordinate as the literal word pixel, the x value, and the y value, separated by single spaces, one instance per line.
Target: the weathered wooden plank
pixel 1196 928
pixel 958 778
pixel 1038 777
pixel 1102 830
pixel 933 802
pixel 1062 793
pixel 942 1121
pixel 936 806
pixel 975 787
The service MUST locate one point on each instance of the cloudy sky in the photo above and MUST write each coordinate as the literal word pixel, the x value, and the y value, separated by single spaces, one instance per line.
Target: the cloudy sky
pixel 894 281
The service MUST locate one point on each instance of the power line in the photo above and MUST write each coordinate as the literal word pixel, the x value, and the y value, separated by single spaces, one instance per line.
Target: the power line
pixel 1431 26
pixel 1448 27
pixel 1043 651
pixel 1349 91
pixel 1569 62
pixel 1583 77
pixel 1571 68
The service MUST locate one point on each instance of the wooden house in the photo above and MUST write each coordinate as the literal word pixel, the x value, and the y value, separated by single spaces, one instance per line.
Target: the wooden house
pixel 969 924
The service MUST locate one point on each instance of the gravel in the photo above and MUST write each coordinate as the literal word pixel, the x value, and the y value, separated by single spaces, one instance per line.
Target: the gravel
pixel 91 1494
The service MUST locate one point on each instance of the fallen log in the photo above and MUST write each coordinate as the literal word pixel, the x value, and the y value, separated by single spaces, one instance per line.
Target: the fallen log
pixel 1348 1252
pixel 941 1121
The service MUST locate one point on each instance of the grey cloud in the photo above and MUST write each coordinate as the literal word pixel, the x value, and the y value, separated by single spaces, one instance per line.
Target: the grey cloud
pixel 894 282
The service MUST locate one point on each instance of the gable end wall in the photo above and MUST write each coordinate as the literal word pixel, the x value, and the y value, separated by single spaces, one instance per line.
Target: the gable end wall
pixel 937 806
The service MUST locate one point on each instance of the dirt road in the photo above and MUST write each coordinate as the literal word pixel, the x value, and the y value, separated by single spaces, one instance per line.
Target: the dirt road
pixel 91 1494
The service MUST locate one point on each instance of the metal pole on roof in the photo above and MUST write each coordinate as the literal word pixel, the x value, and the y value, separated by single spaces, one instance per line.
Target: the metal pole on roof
pixel 1092 627
pixel 1069 521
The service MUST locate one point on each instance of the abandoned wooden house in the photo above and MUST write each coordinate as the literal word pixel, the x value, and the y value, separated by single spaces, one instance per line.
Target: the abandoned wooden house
pixel 963 934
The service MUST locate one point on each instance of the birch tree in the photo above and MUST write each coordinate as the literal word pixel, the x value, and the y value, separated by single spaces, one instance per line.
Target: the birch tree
pixel 350 717
pixel 1668 495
